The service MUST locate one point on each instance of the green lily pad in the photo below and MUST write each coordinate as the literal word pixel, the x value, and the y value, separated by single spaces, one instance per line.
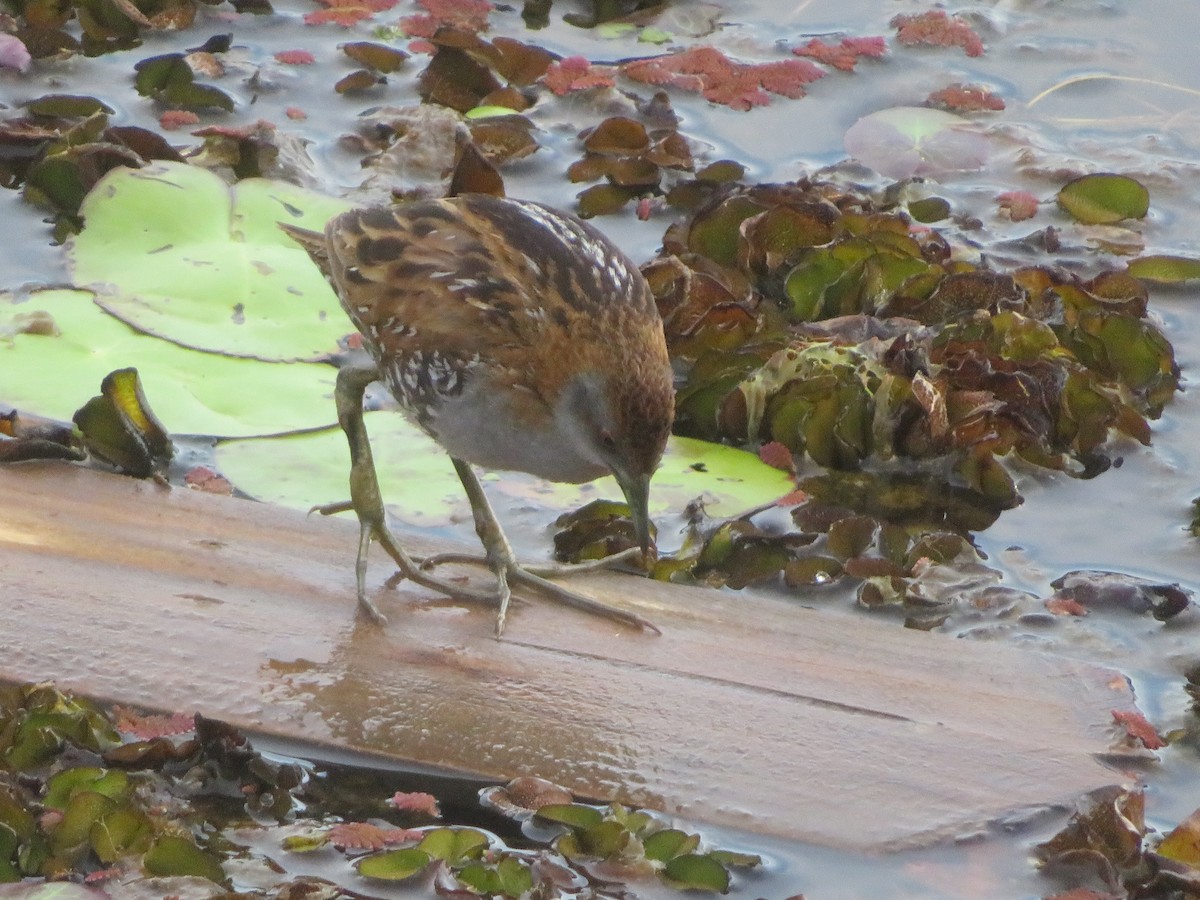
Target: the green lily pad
pixel 1104 199
pixel 421 488
pixel 303 470
pixel 192 393
pixel 905 141
pixel 177 253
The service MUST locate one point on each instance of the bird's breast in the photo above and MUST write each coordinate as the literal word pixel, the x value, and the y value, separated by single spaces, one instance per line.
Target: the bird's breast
pixel 507 429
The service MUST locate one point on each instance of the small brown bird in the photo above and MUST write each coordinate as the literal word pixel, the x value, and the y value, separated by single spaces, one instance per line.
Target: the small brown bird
pixel 519 338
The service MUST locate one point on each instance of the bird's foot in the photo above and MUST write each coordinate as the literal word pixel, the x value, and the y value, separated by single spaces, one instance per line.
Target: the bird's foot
pixel 509 571
pixel 503 563
pixel 519 575
pixel 541 570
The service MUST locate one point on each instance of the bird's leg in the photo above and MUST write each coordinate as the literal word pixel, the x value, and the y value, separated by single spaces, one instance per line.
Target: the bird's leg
pixel 367 501
pixel 503 562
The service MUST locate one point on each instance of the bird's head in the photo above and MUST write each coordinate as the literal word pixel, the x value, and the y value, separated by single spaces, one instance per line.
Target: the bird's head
pixel 621 420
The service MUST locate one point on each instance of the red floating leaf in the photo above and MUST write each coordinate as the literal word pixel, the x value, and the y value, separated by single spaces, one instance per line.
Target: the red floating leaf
pixel 575 73
pixel 845 55
pixel 295 57
pixel 793 498
pixel 295 112
pixel 778 456
pixel 416 801
pixel 365 836
pixel 936 28
pixel 347 12
pixel 966 98
pixel 721 80
pixel 147 728
pixel 202 478
pixel 174 119
pixel 1020 205
pixel 1066 606
pixel 103 875
pixel 1137 727
pixel 466 15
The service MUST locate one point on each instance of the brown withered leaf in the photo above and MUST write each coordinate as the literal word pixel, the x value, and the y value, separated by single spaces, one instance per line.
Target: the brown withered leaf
pixel 378 57
pixel 358 81
pixel 502 139
pixel 474 174
pixel 455 79
pixel 617 136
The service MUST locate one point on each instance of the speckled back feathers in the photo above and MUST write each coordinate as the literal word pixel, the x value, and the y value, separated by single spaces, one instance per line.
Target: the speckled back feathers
pixel 515 294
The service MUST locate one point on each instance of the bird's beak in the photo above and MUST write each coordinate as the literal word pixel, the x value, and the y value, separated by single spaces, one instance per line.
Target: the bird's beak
pixel 637 495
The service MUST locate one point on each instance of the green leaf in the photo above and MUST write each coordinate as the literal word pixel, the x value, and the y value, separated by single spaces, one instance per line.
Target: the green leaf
pixel 930 209
pixel 81 813
pixel 119 833
pixel 488 112
pixel 715 234
pixel 394 865
pixel 605 841
pixel 120 428
pixel 67 105
pixel 699 872
pixel 1166 269
pixel 573 815
pixel 169 78
pixel 193 392
pixel 650 35
pixel 64 785
pixel 516 878
pixel 509 877
pixel 1104 199
pixel 454 845
pixel 733 858
pixel 482 879
pixel 177 253
pixel 175 855
pixel 305 843
pixel 668 843
pixel 612 30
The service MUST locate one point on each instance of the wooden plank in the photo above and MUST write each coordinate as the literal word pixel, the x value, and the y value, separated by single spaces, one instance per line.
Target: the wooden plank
pixel 747 712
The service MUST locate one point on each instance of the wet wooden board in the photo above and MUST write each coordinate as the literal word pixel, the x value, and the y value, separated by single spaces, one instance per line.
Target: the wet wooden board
pixel 747 712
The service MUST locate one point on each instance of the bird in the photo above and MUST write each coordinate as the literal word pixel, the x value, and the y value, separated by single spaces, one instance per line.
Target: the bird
pixel 517 336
